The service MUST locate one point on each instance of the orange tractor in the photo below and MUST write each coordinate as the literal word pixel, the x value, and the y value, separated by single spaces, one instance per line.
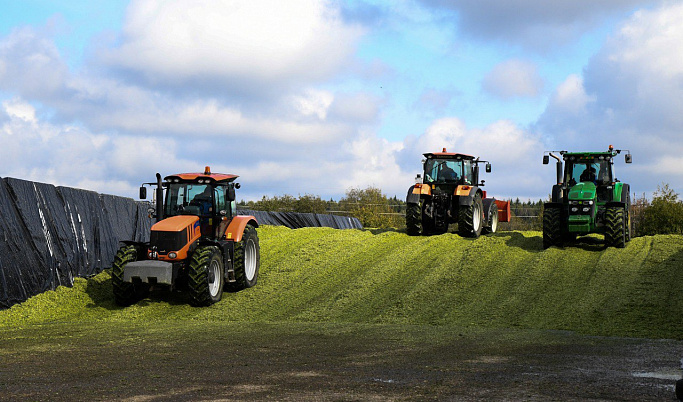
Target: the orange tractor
pixel 450 192
pixel 198 244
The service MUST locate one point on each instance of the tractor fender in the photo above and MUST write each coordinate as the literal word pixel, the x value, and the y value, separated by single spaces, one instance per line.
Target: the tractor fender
pixel 466 194
pixel 624 193
pixel 617 204
pixel 236 227
pixel 412 198
pixel 547 205
pixel 415 192
pixel 557 193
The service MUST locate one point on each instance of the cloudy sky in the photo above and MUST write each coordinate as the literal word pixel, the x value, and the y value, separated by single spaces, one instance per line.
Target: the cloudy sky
pixel 317 97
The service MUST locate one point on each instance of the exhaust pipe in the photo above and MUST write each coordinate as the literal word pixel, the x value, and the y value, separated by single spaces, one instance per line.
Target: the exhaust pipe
pixel 160 199
pixel 558 166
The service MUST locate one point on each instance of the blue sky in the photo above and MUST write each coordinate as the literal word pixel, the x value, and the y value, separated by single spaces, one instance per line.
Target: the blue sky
pixel 317 97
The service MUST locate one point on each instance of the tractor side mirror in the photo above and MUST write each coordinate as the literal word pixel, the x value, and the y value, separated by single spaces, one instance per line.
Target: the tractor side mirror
pixel 143 193
pixel 546 159
pixel 488 167
pixel 628 158
pixel 230 193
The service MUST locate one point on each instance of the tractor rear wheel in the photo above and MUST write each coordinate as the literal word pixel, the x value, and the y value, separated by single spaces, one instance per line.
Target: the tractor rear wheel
pixel 414 218
pixel 615 227
pixel 492 223
pixel 206 276
pixel 628 218
pixel 247 260
pixel 126 293
pixel 552 227
pixel 471 218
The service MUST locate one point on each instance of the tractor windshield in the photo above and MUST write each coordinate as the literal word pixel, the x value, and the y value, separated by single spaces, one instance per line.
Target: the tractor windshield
pixel 597 172
pixel 191 199
pixel 447 171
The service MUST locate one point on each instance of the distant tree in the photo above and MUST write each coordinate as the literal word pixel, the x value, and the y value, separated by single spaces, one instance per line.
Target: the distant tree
pixel 664 215
pixel 311 204
pixel 372 208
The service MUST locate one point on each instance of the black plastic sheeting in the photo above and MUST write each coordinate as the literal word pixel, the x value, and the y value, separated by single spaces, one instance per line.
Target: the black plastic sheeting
pixel 53 234
pixel 296 220
pixel 49 235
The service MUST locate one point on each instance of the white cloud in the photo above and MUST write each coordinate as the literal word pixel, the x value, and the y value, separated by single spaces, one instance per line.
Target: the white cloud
pixel 571 96
pixel 259 43
pixel 513 78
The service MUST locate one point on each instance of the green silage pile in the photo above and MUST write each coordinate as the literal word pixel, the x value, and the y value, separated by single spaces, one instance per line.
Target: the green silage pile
pixel 337 276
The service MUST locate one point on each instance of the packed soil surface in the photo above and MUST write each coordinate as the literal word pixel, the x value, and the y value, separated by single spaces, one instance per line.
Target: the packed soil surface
pixel 327 362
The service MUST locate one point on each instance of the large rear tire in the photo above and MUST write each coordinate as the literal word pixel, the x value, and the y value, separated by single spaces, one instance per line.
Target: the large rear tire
pixel 615 227
pixel 471 218
pixel 126 293
pixel 206 276
pixel 247 260
pixel 414 219
pixel 552 227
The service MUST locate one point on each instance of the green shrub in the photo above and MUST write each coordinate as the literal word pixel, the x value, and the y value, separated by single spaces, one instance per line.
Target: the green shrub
pixel 664 215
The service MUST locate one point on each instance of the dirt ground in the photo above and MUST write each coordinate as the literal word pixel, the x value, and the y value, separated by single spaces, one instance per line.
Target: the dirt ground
pixel 292 362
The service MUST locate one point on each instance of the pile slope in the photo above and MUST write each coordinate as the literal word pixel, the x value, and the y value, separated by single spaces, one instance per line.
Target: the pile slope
pixel 504 280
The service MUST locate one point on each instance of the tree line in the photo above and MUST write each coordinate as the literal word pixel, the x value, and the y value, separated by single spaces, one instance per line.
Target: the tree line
pixel 661 215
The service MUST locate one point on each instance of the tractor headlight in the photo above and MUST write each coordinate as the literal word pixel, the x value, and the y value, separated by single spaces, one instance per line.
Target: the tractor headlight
pixel 172 255
pixel 574 202
pixel 588 202
pixel 586 209
pixel 575 209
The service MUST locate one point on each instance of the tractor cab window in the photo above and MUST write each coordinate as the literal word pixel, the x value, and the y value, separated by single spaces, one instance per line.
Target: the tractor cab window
pixel 219 196
pixel 467 172
pixel 189 199
pixel 443 171
pixel 596 172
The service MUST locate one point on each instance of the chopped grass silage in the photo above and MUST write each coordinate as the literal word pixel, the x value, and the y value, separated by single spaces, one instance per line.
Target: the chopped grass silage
pixel 361 276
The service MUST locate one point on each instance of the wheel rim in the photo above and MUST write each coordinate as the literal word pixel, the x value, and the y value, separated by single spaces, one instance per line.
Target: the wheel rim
pixel 476 219
pixel 250 260
pixel 494 222
pixel 214 278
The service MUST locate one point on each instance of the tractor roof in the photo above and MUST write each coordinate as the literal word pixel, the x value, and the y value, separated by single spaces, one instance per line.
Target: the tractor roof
pixel 207 175
pixel 610 153
pixel 448 155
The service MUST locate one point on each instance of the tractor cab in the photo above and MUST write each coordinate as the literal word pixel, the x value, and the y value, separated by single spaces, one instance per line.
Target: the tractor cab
pixel 207 196
pixel 589 175
pixel 448 169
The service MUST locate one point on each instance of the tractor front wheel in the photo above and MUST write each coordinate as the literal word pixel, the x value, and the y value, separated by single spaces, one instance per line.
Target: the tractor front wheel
pixel 414 218
pixel 247 260
pixel 615 227
pixel 126 293
pixel 206 276
pixel 552 227
pixel 471 218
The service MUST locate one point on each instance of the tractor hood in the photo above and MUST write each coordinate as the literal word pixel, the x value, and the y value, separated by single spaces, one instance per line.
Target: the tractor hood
pixel 582 191
pixel 176 223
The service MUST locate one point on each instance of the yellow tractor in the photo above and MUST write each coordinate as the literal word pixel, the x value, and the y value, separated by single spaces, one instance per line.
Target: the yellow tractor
pixel 198 244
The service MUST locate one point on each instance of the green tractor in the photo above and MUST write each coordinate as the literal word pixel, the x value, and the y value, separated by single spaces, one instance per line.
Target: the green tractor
pixel 588 198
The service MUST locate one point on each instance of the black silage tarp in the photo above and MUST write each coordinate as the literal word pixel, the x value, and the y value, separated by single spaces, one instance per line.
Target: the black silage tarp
pixel 296 220
pixel 53 234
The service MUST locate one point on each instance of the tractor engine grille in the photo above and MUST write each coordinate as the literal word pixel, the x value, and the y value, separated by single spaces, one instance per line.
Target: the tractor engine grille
pixel 167 241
